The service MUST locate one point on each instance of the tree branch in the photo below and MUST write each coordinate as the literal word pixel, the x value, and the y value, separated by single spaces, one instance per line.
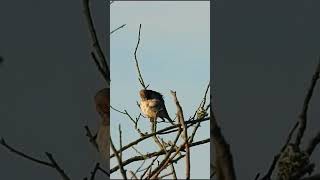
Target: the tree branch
pixel 95 43
pixel 162 131
pixel 303 115
pixel 302 122
pixel 154 154
pixel 222 153
pixel 313 144
pixel 92 138
pixel 123 25
pixel 123 172
pixel 137 64
pixel 52 164
pixel 185 132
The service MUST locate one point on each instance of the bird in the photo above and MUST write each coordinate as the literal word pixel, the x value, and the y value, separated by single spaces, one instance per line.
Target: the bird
pixel 102 103
pixel 152 105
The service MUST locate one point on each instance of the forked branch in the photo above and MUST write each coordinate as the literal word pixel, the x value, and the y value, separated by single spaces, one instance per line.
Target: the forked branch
pixel 51 163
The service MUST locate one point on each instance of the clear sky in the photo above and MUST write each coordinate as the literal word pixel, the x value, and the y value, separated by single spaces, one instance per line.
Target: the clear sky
pixel 174 54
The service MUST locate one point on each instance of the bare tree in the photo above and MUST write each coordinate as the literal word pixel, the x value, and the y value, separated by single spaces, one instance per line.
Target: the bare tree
pixel 169 152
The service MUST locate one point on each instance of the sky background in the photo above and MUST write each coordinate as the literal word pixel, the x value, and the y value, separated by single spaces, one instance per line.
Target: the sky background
pixel 48 82
pixel 174 54
pixel 264 53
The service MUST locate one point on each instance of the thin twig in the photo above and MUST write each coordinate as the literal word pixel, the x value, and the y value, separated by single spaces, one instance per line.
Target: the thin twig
pixel 133 175
pixel 101 70
pixel 201 106
pixel 162 131
pixel 154 154
pixel 95 43
pixel 203 101
pixel 303 115
pixel 123 25
pixel 165 175
pixel 268 175
pixel 139 168
pixel 52 164
pixel 135 122
pixel 123 172
pixel 104 171
pixel 173 171
pixel 120 142
pixel 57 167
pixel 166 159
pixel 93 173
pixel 4 143
pixel 92 138
pixel 137 64
pixel 149 167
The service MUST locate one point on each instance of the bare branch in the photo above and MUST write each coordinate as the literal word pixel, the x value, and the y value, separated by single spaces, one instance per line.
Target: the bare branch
pixel 135 122
pixel 162 131
pixel 123 25
pixel 154 174
pixel 313 144
pixel 4 143
pixel 123 172
pixel 222 153
pixel 95 170
pixel 93 173
pixel 155 154
pixel 57 167
pixel 149 167
pixel 95 43
pixel 302 122
pixel 52 164
pixel 303 115
pixel 133 175
pixel 94 57
pixel 92 138
pixel 173 171
pixel 268 175
pixel 185 132
pixel 137 64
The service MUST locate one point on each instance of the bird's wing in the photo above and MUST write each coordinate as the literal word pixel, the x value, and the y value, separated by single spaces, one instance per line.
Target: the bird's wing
pixel 155 95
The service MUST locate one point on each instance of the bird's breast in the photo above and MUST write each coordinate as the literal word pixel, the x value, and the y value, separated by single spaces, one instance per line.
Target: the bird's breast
pixel 147 109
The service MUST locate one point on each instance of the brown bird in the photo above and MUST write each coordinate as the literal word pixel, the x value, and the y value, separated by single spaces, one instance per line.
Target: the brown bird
pixel 102 102
pixel 152 105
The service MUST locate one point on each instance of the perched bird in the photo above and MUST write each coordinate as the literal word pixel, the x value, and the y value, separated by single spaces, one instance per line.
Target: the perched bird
pixel 152 105
pixel 102 102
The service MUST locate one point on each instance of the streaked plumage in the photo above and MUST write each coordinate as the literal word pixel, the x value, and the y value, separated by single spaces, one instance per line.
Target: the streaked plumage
pixel 102 101
pixel 152 105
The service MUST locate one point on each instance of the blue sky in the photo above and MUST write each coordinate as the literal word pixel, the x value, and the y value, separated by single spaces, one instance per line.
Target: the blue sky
pixel 174 54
